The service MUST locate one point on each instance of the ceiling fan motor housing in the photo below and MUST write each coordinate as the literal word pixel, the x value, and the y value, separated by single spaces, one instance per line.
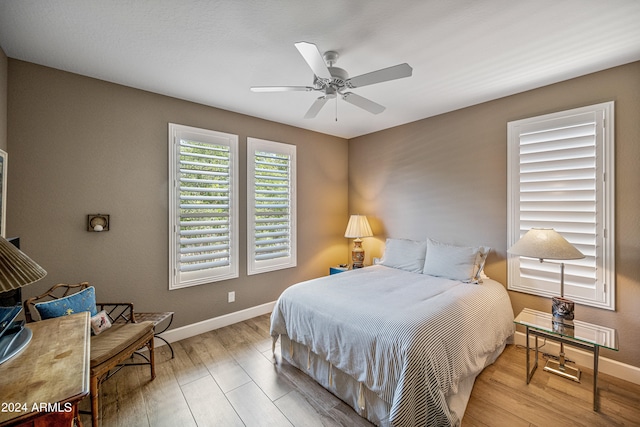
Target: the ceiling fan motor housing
pixel 339 76
pixel 337 82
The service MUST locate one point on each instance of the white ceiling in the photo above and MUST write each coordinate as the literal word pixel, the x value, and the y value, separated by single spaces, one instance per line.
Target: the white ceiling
pixel 463 52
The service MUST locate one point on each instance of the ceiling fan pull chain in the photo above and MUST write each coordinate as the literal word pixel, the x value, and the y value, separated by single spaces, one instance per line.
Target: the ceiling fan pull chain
pixel 336 108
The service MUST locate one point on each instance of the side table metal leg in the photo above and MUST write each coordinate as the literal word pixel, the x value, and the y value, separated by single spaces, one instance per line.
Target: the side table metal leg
pixel 596 351
pixel 529 374
pixel 536 362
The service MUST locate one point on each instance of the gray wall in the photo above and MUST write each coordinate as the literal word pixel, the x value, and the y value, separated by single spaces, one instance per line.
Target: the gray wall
pixel 445 177
pixel 4 71
pixel 79 146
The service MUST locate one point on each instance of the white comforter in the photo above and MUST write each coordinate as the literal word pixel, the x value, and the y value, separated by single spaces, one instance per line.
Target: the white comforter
pixel 408 337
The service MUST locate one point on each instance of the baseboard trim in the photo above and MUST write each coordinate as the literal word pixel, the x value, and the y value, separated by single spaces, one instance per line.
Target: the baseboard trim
pixel 198 328
pixel 582 358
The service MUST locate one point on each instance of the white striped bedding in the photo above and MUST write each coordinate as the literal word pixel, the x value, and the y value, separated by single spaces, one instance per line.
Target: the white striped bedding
pixel 408 337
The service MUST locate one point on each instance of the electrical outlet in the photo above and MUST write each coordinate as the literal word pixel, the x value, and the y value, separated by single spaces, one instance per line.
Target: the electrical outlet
pixel 232 297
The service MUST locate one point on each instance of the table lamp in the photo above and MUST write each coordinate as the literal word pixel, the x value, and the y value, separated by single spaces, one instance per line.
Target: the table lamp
pixel 16 270
pixel 357 228
pixel 546 243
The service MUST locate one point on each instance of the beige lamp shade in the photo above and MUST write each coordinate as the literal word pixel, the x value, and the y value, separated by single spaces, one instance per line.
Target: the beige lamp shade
pixel 16 268
pixel 358 227
pixel 544 243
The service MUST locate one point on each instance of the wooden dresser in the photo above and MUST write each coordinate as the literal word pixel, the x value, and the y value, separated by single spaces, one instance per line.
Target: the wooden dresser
pixel 43 385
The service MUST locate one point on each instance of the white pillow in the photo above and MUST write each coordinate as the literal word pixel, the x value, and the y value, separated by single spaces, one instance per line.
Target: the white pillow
pixel 453 262
pixel 404 254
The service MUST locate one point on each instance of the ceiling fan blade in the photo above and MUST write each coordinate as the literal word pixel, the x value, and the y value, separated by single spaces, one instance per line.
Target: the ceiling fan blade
pixel 280 88
pixel 312 56
pixel 363 103
pixel 384 75
pixel 316 107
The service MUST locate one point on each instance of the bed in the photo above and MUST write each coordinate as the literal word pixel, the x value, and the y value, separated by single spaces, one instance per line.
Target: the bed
pixel 401 347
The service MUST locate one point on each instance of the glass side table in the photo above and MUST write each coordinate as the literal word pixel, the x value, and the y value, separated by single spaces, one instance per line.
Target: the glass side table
pixel 586 336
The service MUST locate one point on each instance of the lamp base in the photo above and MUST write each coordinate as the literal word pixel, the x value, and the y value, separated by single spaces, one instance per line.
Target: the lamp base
pixel 559 368
pixel 357 254
pixel 562 309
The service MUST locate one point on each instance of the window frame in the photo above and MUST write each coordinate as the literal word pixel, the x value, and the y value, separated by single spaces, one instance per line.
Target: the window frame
pixel 603 293
pixel 178 279
pixel 255 266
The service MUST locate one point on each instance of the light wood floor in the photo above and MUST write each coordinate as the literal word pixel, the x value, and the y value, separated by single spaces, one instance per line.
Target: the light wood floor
pixel 228 377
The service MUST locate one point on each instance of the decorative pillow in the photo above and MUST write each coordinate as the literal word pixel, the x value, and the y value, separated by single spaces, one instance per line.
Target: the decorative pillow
pixel 452 262
pixel 404 254
pixel 84 300
pixel 100 322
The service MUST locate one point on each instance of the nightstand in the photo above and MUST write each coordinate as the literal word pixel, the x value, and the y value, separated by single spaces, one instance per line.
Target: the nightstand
pixel 339 269
pixel 342 268
pixel 586 336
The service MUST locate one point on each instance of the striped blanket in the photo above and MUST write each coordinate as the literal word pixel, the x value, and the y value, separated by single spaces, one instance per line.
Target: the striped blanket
pixel 407 337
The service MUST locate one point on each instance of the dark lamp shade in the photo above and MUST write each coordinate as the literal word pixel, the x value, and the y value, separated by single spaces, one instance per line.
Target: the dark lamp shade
pixel 16 268
pixel 544 243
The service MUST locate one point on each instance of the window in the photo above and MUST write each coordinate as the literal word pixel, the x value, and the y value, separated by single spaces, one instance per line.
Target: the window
pixel 561 176
pixel 271 204
pixel 203 211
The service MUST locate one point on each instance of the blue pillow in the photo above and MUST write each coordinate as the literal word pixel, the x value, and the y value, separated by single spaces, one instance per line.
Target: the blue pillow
pixel 84 300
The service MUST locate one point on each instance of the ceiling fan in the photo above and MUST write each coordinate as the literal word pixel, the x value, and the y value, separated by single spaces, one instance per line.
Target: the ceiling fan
pixel 333 81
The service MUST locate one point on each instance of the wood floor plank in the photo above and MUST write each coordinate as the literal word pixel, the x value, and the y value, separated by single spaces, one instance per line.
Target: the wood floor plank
pixel 255 408
pixel 209 405
pixel 254 334
pixel 187 366
pixel 262 372
pixel 228 337
pixel 308 386
pixel 528 408
pixel 221 364
pixel 124 386
pixel 470 421
pixel 481 411
pixel 347 417
pixel 249 332
pixel 165 404
pixel 302 413
pixel 261 323
pixel 128 384
pixel 109 395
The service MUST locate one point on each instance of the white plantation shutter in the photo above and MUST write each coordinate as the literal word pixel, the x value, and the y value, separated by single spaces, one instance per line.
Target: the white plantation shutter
pixel 558 170
pixel 203 236
pixel 271 201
